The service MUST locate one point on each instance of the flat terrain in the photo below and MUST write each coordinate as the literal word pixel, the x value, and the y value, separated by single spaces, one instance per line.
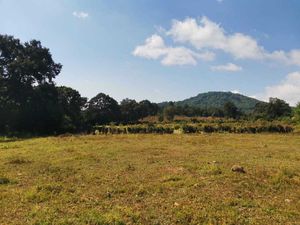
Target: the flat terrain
pixel 151 179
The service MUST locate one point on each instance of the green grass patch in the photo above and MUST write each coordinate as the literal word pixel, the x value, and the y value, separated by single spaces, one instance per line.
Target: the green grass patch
pixel 151 179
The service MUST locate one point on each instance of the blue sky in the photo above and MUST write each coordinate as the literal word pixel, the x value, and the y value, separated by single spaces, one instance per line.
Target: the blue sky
pixel 166 50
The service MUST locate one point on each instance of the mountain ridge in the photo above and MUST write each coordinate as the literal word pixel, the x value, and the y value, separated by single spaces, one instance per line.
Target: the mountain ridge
pixel 217 99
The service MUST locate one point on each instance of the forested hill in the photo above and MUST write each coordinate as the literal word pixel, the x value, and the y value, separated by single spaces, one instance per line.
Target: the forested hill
pixel 218 99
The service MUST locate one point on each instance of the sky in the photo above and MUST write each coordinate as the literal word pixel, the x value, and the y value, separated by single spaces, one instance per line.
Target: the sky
pixel 166 50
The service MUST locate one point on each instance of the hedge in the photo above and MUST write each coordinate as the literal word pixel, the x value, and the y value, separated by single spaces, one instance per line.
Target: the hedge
pixel 193 128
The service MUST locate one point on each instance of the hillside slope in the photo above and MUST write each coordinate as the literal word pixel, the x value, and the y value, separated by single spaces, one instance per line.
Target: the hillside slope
pixel 218 99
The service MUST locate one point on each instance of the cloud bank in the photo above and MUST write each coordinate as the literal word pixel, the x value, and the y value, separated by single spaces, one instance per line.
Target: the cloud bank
pixel 155 48
pixel 207 37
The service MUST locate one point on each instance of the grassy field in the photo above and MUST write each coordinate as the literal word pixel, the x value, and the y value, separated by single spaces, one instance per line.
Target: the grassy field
pixel 151 179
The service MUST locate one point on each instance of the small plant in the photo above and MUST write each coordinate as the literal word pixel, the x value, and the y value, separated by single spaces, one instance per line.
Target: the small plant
pixel 211 169
pixel 283 178
pixel 130 167
pixel 18 161
pixel 172 179
pixel 4 180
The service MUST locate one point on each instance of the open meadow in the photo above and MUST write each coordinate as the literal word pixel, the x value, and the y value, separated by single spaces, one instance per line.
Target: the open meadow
pixel 151 179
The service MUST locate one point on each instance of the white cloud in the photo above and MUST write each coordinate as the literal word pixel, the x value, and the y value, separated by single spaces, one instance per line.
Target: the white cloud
pixel 155 48
pixel 179 56
pixel 289 58
pixel 294 57
pixel 288 89
pixel 80 15
pixel 229 67
pixel 206 34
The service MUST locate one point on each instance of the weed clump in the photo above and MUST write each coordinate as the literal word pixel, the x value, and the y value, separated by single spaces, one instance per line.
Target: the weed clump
pixel 171 179
pixel 18 161
pixel 211 169
pixel 43 193
pixel 113 217
pixel 54 189
pixel 4 180
pixel 284 177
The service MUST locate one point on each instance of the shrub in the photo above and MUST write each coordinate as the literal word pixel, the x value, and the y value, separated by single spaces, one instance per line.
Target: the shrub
pixel 207 127
pixel 189 129
pixel 4 180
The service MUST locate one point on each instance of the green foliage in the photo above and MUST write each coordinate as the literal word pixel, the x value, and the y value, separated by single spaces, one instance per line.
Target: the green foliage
pixel 218 99
pixel 4 180
pixel 172 110
pixel 129 110
pixel 27 98
pixel 132 111
pixel 102 109
pixel 230 110
pixel 296 113
pixel 260 110
pixel 169 113
pixel 207 127
pixel 276 108
pixel 71 104
pixel 147 108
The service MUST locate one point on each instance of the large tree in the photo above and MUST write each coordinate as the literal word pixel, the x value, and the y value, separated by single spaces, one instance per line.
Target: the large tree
pixel 230 110
pixel 261 110
pixel 169 111
pixel 296 112
pixel 147 108
pixel 71 104
pixel 275 109
pixel 25 68
pixel 132 111
pixel 102 109
pixel 278 108
pixel 129 110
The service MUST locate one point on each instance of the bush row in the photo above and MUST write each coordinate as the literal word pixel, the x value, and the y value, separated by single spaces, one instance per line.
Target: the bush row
pixel 134 129
pixel 199 128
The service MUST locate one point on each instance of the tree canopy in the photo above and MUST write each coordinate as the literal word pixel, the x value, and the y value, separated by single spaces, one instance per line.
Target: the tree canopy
pixel 102 109
pixel 276 108
pixel 27 92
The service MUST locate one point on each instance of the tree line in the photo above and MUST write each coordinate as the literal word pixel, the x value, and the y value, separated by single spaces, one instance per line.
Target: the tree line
pixel 274 109
pixel 31 102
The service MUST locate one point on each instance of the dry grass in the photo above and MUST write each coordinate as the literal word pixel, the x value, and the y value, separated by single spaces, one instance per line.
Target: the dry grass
pixel 151 179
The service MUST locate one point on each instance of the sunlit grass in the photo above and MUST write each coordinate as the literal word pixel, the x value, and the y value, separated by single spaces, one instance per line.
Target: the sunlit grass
pixel 151 179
